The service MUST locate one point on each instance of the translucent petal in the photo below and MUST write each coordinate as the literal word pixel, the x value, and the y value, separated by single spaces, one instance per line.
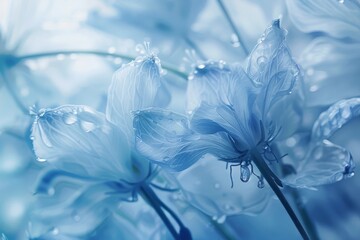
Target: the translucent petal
pixel 330 70
pixel 135 86
pixel 81 214
pixel 265 50
pixel 81 140
pixel 213 119
pixel 216 83
pixel 277 76
pixel 204 83
pixel 165 138
pixel 337 18
pixel 207 186
pixel 335 117
pixel 326 163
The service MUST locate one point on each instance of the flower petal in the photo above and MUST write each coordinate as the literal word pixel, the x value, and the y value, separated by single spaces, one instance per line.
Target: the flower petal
pixel 216 83
pixel 166 139
pixel 339 19
pixel 334 118
pixel 265 50
pixel 331 72
pixel 326 163
pixel 135 86
pixel 207 186
pixel 81 140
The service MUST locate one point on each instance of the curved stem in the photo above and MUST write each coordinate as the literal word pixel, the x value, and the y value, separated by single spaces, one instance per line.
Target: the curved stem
pixel 259 162
pixel 193 45
pixel 96 53
pixel 157 205
pixel 233 27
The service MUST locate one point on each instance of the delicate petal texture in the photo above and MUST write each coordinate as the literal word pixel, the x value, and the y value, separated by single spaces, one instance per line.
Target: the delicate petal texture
pixel 165 138
pixel 326 163
pixel 271 67
pixel 264 51
pixel 337 18
pixel 332 70
pixel 81 214
pixel 211 190
pixel 135 86
pixel 81 140
pixel 216 83
pixel 335 117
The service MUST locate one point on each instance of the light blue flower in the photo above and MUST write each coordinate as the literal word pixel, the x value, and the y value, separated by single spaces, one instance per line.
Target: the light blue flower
pixel 166 23
pixel 82 145
pixel 330 59
pixel 236 114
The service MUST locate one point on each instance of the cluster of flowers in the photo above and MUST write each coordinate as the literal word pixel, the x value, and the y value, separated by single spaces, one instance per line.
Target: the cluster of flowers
pixel 136 164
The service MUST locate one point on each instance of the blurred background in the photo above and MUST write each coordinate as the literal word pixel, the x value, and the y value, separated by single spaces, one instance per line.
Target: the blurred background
pixel 65 52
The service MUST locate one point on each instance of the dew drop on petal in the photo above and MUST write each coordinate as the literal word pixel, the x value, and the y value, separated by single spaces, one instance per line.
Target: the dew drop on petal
pixel 87 126
pixel 69 118
pixel 261 61
pixel 41 159
pixel 51 191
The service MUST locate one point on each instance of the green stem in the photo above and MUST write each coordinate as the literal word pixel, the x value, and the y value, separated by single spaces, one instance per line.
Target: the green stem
pixel 97 53
pixel 259 162
pixel 232 25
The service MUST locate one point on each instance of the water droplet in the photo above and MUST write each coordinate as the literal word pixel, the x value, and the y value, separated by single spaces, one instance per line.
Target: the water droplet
pixel 41 159
pixel 235 40
pixel 261 183
pixel 201 66
pixel 245 173
pixel 69 118
pixel 341 1
pixel 51 191
pixel 111 50
pixel 87 126
pixel 139 48
pixel 55 231
pixel 261 61
pixel 216 185
pixel 314 88
pixel 221 219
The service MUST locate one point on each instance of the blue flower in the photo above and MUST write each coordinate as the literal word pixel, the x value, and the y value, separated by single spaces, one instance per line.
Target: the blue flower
pixel 80 144
pixel 237 116
pixel 328 60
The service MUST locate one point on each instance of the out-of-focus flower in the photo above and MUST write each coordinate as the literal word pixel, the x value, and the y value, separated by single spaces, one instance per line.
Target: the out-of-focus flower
pixel 234 115
pixel 166 23
pixel 331 72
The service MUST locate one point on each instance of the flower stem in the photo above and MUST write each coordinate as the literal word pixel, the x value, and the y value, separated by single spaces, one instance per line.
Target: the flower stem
pixel 260 163
pixel 232 25
pixel 150 196
pixel 97 53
